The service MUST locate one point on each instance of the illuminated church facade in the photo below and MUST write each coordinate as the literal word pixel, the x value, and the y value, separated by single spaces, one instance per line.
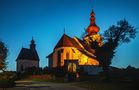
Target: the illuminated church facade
pixel 74 52
pixel 71 49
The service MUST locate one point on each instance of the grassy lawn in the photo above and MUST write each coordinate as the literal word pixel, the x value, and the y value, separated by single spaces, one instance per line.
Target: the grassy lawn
pixel 108 86
pixel 57 80
pixel 40 78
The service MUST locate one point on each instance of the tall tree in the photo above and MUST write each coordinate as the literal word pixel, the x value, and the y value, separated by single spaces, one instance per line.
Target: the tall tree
pixel 116 35
pixel 3 55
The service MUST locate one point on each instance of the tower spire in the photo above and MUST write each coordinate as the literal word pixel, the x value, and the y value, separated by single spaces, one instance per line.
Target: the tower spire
pixel 32 45
pixel 92 18
pixel 32 41
pixel 92 28
pixel 92 31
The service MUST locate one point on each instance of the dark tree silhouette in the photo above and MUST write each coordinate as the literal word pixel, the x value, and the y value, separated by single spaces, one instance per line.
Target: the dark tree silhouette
pixel 3 56
pixel 116 35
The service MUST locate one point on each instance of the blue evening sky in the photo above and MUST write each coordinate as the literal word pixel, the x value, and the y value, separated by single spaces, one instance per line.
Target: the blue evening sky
pixel 46 19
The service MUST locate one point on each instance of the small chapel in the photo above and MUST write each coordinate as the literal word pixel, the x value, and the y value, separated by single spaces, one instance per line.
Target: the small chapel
pixel 27 58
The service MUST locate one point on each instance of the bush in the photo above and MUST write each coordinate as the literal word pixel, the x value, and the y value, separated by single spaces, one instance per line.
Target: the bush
pixel 7 79
pixel 60 72
pixel 43 78
pixel 6 83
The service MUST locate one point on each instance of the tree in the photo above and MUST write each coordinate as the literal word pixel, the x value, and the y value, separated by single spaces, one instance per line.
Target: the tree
pixel 3 55
pixel 116 35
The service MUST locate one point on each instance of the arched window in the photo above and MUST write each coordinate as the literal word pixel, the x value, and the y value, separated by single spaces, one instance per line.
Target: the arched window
pixel 67 55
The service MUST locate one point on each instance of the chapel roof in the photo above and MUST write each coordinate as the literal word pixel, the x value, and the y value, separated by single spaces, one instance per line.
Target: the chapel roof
pixel 28 54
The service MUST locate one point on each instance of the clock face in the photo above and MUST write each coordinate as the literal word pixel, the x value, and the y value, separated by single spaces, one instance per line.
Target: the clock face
pixel 72 67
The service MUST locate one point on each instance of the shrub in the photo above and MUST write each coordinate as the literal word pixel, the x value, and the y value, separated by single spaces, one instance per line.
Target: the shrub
pixel 7 79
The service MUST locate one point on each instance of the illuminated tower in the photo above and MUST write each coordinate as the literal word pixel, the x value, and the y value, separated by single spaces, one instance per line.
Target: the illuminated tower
pixel 92 28
pixel 92 31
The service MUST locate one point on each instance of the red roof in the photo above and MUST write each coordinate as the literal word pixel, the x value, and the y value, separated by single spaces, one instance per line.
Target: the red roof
pixel 65 41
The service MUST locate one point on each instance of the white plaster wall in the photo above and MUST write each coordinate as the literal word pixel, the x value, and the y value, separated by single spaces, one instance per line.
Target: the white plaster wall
pixel 26 64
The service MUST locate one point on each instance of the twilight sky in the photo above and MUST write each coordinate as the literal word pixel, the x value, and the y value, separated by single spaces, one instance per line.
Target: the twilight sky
pixel 46 19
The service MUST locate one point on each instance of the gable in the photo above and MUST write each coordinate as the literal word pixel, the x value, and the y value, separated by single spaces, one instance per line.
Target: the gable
pixel 65 41
pixel 28 54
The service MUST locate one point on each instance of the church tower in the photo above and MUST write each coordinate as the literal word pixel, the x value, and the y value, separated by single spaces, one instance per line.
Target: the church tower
pixel 32 45
pixel 92 32
pixel 92 28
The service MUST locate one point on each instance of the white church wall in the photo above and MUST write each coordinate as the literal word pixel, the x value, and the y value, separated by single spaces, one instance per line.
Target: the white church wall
pixel 26 64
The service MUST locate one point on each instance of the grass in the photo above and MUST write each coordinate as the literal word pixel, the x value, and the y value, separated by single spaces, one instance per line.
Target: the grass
pixel 56 80
pixel 107 86
pixel 40 80
pixel 48 78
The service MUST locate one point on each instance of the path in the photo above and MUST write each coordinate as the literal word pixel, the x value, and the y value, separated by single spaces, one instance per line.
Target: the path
pixel 29 85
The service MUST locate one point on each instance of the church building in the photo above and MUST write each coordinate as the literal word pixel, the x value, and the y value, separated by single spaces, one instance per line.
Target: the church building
pixel 71 49
pixel 74 53
pixel 27 58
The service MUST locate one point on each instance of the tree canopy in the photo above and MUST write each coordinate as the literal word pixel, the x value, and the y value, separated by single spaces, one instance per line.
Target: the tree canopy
pixel 3 55
pixel 121 33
